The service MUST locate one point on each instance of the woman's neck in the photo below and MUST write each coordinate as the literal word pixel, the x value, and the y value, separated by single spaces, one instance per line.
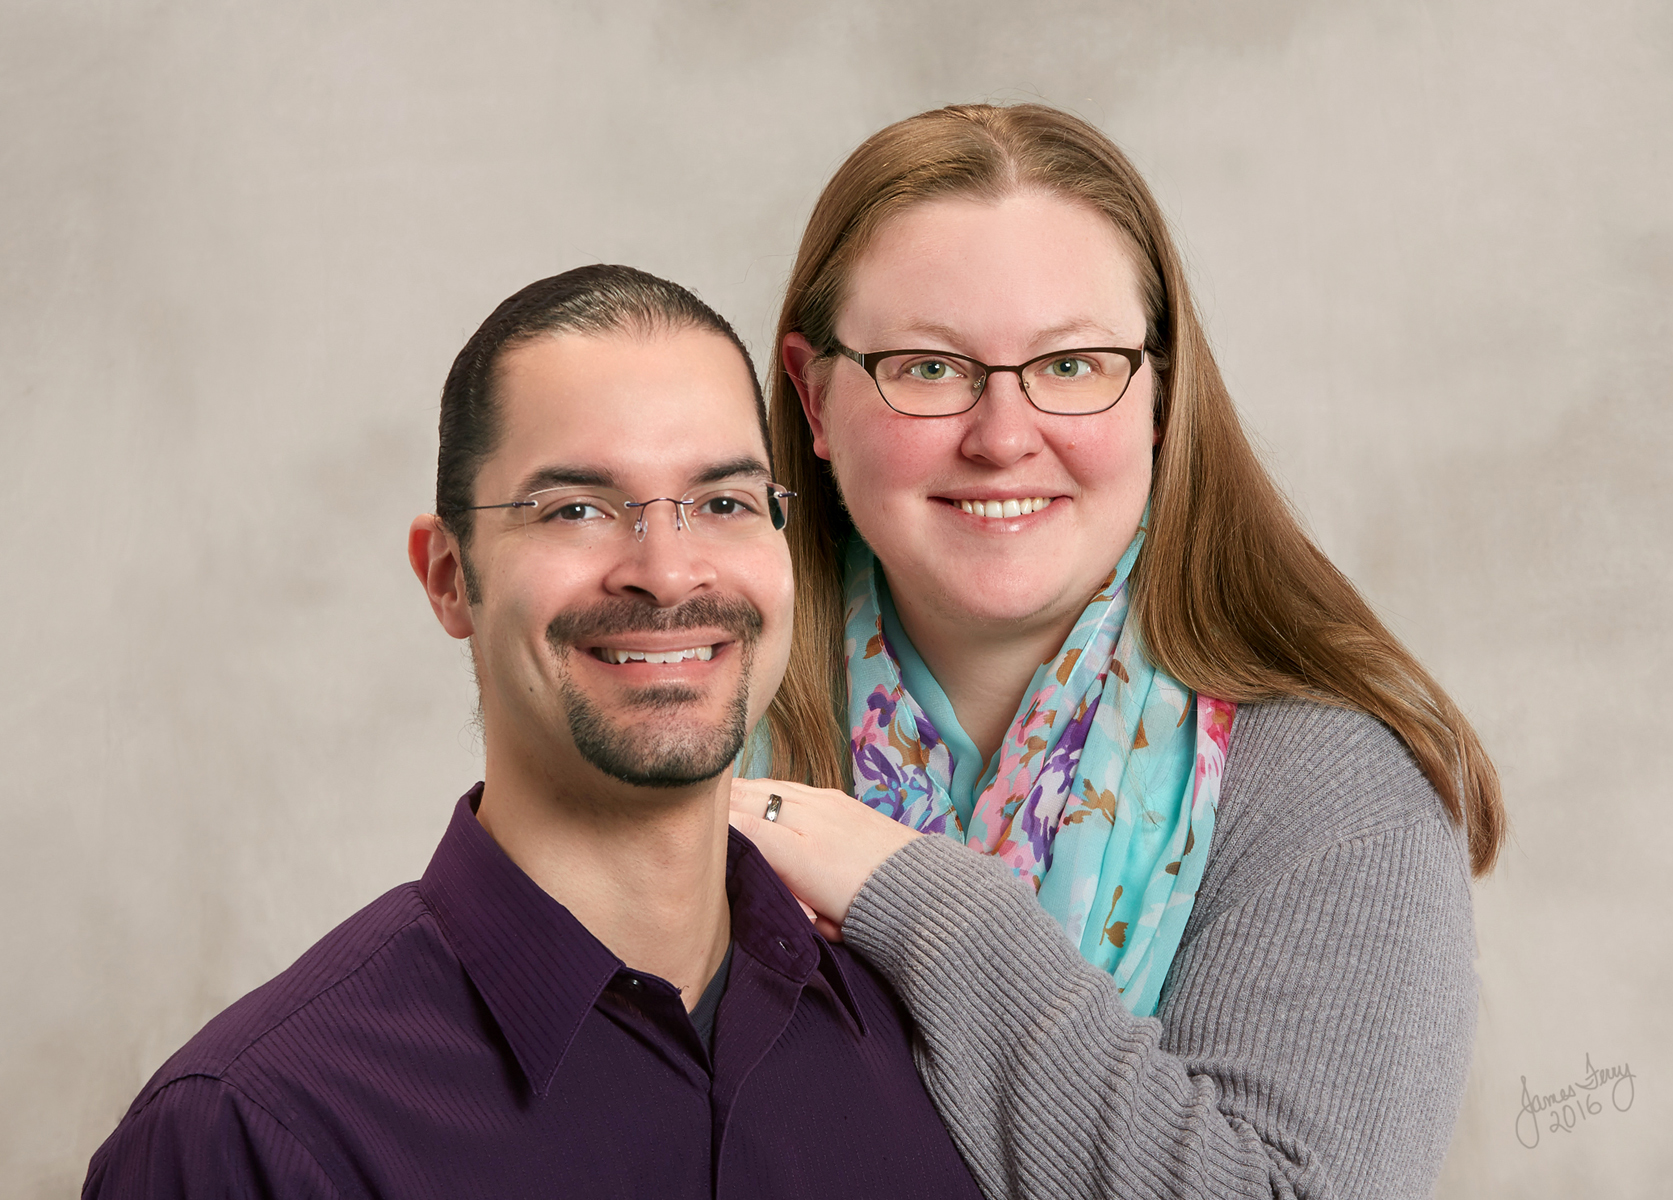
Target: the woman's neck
pixel 984 667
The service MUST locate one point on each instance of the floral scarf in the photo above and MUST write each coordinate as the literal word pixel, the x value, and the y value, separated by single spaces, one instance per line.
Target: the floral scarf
pixel 1102 794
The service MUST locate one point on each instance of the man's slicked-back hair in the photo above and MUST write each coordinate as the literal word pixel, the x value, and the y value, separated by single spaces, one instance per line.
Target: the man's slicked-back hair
pixel 593 300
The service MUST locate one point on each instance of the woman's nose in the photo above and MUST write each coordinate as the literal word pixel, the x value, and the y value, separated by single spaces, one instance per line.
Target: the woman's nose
pixel 1004 428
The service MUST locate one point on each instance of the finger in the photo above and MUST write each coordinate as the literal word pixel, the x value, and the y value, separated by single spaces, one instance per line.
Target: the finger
pixel 750 796
pixel 764 806
pixel 766 787
pixel 827 928
pixel 759 830
pixel 747 823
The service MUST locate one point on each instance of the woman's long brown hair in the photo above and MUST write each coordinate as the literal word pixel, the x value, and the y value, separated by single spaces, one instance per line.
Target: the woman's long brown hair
pixel 1232 597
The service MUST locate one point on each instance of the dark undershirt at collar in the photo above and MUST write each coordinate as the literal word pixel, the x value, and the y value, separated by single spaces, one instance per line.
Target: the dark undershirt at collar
pixel 703 1015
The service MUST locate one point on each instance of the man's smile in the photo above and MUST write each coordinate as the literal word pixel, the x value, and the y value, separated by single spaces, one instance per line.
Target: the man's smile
pixel 701 653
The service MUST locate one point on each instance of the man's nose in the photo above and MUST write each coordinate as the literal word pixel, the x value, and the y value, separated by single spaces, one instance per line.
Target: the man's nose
pixel 1004 428
pixel 665 567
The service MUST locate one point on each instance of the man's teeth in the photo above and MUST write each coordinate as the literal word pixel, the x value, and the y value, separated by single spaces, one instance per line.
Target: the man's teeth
pixel 1004 508
pixel 702 653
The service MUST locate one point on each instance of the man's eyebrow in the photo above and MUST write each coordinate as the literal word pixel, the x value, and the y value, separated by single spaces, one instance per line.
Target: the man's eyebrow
pixel 564 476
pixel 555 476
pixel 744 467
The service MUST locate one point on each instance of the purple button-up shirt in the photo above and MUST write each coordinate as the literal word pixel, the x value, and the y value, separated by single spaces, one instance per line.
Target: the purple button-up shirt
pixel 466 1036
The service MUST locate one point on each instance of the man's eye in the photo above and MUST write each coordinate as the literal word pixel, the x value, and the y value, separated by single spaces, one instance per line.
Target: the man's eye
pixel 575 510
pixel 725 506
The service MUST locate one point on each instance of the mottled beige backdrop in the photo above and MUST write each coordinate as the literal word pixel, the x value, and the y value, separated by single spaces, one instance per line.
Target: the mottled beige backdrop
pixel 240 244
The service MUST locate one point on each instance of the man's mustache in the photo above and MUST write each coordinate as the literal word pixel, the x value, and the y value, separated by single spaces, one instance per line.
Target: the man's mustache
pixel 613 618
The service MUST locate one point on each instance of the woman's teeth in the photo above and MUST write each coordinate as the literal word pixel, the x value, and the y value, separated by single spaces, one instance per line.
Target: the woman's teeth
pixel 1004 508
pixel 701 653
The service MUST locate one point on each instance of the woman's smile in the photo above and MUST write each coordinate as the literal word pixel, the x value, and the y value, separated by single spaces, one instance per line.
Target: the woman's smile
pixel 995 508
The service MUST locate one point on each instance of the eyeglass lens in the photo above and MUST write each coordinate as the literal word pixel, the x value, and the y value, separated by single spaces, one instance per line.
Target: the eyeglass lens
pixel 583 516
pixel 1069 382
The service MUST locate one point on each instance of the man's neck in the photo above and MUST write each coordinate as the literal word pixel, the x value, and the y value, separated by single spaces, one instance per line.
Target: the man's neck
pixel 643 869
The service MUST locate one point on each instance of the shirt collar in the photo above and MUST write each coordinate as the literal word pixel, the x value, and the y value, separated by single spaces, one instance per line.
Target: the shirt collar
pixel 770 925
pixel 538 969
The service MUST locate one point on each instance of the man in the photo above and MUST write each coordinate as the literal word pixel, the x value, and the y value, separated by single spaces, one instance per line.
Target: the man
pixel 596 989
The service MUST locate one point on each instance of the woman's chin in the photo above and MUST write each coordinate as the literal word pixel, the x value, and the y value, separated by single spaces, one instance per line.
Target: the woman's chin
pixel 1025 584
pixel 977 600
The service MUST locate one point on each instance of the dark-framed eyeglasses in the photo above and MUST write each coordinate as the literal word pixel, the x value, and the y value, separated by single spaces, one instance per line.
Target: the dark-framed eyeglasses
pixel 583 517
pixel 933 383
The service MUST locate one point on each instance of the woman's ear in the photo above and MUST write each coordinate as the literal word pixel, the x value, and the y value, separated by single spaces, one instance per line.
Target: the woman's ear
pixel 811 385
pixel 439 564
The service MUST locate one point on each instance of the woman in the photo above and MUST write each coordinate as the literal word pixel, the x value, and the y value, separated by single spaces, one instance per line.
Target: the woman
pixel 1051 606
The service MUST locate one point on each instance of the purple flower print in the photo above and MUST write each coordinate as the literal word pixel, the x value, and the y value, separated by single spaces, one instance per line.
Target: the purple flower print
pixel 1058 774
pixel 938 823
pixel 883 791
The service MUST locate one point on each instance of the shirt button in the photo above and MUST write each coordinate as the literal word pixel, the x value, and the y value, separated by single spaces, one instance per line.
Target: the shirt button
pixel 784 945
pixel 632 981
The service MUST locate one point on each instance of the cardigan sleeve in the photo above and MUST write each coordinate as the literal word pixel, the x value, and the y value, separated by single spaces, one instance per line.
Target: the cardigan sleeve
pixel 1313 1039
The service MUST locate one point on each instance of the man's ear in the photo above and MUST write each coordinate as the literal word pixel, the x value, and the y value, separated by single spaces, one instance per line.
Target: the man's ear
pixel 811 386
pixel 440 566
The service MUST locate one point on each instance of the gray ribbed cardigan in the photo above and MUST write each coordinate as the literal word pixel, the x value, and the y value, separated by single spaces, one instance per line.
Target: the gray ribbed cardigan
pixel 1314 1034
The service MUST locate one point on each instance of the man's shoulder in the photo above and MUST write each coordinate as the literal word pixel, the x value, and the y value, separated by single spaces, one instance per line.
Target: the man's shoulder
pixel 375 948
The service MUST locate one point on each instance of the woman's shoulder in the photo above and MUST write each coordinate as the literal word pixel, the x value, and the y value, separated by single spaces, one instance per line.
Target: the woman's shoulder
pixel 1316 772
pixel 1302 778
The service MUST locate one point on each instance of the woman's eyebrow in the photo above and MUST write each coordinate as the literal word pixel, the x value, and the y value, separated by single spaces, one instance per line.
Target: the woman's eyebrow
pixel 954 337
pixel 1078 329
pixel 927 329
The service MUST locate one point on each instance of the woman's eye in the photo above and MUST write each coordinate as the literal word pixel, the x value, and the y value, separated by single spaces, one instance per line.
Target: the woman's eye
pixel 1069 368
pixel 931 370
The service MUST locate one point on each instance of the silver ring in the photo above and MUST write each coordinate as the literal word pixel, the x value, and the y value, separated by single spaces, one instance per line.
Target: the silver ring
pixel 774 803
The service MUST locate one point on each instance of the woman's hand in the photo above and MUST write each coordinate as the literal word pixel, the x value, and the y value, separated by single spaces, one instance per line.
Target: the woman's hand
pixel 824 845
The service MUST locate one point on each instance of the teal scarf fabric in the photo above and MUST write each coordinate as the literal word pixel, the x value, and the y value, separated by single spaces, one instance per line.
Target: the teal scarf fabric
pixel 1102 794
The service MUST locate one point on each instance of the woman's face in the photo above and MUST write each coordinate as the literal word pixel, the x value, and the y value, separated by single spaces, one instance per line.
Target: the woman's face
pixel 1002 282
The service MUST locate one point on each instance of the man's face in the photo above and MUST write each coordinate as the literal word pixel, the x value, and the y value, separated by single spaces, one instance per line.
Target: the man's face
pixel 647 659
